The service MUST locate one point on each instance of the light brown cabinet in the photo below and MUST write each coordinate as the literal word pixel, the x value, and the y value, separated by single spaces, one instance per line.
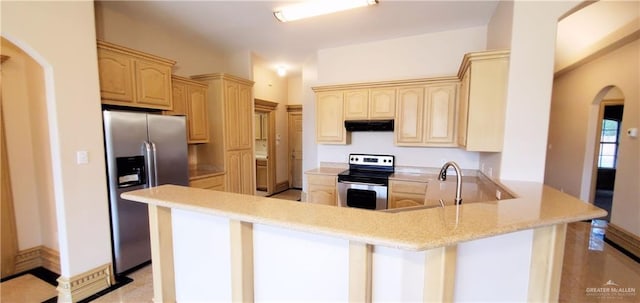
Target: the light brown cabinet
pixel 133 78
pixel 190 99
pixel 321 189
pixel 369 104
pixel 483 92
pixel 406 193
pixel 329 118
pixel 261 174
pixel 261 125
pixel 213 183
pixel 231 117
pixel 426 115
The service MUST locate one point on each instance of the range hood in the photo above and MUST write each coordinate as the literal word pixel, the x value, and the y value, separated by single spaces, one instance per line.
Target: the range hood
pixel 368 125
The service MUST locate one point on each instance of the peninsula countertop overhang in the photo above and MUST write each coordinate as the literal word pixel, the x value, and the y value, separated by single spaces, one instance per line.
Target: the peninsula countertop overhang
pixel 537 205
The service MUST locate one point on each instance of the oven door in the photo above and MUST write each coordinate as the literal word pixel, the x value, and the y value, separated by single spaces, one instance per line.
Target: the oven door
pixel 362 195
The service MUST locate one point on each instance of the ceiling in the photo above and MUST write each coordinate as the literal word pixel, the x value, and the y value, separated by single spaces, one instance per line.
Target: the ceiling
pixel 250 25
pixel 232 26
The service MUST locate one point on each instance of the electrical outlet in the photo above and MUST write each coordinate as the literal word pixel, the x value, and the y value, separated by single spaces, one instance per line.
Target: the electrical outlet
pixel 498 194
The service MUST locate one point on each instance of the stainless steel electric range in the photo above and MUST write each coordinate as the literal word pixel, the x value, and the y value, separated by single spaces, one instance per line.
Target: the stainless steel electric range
pixel 365 184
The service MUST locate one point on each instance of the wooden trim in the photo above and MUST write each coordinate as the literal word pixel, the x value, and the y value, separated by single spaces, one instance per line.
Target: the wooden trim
pixel 189 81
pixel 624 239
pixel 241 261
pixel 439 274
pixel 28 259
pixel 476 56
pixel 294 108
pixel 85 284
pixel 282 186
pixel 3 58
pixel 50 259
pixel 547 253
pixel 133 52
pixel 360 268
pixel 222 76
pixel 161 234
pixel 393 83
pixel 264 105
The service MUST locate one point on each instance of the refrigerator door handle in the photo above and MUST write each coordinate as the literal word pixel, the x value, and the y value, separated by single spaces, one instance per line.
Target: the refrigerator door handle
pixel 155 164
pixel 150 164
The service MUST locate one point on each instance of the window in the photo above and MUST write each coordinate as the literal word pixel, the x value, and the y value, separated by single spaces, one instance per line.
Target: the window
pixel 609 143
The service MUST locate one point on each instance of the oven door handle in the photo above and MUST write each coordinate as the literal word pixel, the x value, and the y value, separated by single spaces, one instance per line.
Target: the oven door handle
pixel 362 183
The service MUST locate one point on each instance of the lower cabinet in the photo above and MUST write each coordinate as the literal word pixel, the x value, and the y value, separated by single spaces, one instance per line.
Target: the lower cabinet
pixel 406 193
pixel 239 171
pixel 213 183
pixel 261 174
pixel 321 189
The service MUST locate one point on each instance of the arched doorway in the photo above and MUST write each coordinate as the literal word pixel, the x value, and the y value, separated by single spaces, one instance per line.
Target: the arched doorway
pixel 610 106
pixel 25 122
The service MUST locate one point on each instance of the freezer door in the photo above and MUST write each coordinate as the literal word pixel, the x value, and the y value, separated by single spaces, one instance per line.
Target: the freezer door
pixel 169 137
pixel 125 134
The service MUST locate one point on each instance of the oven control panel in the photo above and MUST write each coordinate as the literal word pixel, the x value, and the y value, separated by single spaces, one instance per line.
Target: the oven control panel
pixel 371 160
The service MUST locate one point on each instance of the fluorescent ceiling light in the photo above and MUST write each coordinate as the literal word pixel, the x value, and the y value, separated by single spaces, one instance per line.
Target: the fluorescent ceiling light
pixel 317 7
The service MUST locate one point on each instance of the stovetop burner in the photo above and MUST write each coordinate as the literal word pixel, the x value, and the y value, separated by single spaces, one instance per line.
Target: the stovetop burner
pixel 365 168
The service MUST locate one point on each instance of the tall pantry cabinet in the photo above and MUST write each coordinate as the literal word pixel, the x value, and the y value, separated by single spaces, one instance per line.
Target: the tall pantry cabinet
pixel 230 147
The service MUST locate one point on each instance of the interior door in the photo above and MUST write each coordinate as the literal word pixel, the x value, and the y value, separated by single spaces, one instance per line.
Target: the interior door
pixel 295 149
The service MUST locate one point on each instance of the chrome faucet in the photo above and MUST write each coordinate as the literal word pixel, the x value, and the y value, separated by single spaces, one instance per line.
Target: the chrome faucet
pixel 443 176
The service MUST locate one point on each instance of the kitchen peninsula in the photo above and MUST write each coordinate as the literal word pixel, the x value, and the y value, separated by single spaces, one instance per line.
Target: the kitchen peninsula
pixel 218 246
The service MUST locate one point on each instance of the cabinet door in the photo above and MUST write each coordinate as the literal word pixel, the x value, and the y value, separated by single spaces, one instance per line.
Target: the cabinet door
pixel 153 83
pixel 257 126
pixel 321 189
pixel 487 102
pixel 179 93
pixel 245 117
pixel 233 167
pixel 116 76
pixel 406 193
pixel 322 194
pixel 382 103
pixel 329 118
pixel 409 122
pixel 463 108
pixel 356 104
pixel 232 115
pixel 239 171
pixel 261 175
pixel 440 115
pixel 197 115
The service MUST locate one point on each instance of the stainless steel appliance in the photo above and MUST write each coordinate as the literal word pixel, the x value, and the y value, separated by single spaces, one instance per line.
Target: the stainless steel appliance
pixel 365 184
pixel 142 150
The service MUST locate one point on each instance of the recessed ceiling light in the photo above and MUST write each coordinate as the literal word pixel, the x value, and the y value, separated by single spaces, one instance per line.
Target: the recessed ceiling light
pixel 282 71
pixel 317 7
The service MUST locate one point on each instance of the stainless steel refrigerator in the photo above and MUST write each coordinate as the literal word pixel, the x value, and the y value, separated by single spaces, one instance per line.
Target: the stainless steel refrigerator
pixel 142 150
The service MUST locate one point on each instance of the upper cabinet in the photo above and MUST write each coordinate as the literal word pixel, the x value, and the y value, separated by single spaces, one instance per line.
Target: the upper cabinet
pixel 329 118
pixel 369 104
pixel 426 114
pixel 483 92
pixel 467 110
pixel 190 100
pixel 133 78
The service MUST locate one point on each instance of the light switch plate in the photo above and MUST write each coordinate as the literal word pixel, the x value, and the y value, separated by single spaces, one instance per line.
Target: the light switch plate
pixel 82 157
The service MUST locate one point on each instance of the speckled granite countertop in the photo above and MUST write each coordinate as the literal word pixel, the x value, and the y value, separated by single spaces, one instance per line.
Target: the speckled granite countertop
pixel 415 230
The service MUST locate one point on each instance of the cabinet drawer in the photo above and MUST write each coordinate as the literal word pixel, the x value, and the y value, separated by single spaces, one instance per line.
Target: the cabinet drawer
pixel 321 180
pixel 417 188
pixel 214 182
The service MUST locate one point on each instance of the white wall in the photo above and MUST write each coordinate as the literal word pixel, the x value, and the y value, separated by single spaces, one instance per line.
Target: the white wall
pixel 73 105
pixel 422 56
pixel 193 58
pixel 271 87
pixel 572 135
pixel 533 31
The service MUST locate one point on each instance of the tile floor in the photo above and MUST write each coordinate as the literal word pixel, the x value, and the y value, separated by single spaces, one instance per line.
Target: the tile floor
pixel 593 271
